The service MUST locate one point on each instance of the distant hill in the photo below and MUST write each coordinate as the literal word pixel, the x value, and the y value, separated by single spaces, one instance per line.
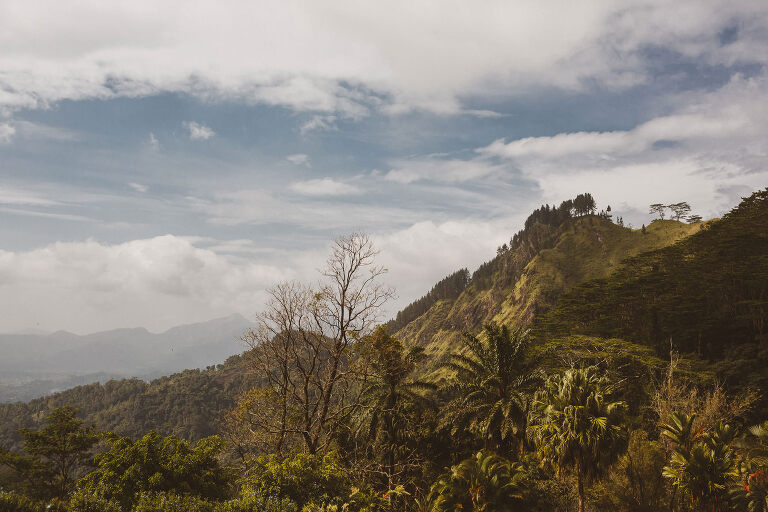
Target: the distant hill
pixel 189 404
pixel 37 364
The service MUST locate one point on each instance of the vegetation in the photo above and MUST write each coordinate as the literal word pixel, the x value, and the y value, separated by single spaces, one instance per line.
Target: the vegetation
pixel 547 381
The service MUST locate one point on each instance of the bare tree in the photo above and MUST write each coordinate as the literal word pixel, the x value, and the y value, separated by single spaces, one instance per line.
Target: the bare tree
pixel 303 347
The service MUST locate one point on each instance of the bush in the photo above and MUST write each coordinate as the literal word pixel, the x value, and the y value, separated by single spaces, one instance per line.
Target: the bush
pixel 84 501
pixel 10 502
pixel 168 502
pixel 255 503
pixel 301 478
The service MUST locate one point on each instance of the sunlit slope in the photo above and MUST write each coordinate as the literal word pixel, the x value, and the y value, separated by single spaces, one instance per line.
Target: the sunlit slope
pixel 523 286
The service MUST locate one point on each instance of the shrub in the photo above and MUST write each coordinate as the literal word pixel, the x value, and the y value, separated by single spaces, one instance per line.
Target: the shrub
pixel 301 478
pixel 11 502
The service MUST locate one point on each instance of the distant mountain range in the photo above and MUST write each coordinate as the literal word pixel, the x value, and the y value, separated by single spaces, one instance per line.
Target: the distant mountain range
pixel 37 364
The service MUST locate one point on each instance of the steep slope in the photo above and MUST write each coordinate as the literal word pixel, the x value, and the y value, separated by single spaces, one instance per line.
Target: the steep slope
pixel 706 294
pixel 525 281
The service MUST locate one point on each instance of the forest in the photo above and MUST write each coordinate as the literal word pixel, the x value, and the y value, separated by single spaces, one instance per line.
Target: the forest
pixel 633 386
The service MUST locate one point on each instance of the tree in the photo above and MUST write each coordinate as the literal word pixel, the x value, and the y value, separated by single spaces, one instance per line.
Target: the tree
pixel 702 462
pixel 679 210
pixel 483 483
pixel 693 219
pixel 575 424
pixel 303 346
pixel 657 209
pixel 389 401
pixel 492 378
pixel 58 453
pixel 156 464
pixel 584 204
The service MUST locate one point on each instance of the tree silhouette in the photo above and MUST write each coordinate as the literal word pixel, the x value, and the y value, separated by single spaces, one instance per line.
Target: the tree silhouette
pixel 657 209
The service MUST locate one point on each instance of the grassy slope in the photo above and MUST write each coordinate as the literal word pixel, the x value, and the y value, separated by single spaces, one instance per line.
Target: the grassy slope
pixel 586 248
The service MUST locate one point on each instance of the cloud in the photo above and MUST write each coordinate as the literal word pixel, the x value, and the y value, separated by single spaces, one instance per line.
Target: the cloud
pixel 346 58
pixel 324 187
pixel 440 170
pixel 154 144
pixel 298 159
pixel 318 123
pixel 713 144
pixel 155 283
pixel 138 187
pixel 16 196
pixel 197 131
pixel 7 132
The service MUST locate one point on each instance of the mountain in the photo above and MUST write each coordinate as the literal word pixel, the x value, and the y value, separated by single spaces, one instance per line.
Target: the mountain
pixel 34 364
pixel 525 280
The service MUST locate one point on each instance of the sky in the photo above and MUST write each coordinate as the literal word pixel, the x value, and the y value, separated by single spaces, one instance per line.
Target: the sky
pixel 164 163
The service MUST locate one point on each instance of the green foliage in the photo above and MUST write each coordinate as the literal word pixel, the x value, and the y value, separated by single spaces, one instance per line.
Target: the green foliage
pixel 10 502
pixel 168 502
pixel 449 288
pixel 575 424
pixel 390 402
pixel 702 463
pixel 188 404
pixel 704 294
pixel 301 478
pixel 483 483
pixel 490 384
pixel 56 454
pixel 635 482
pixel 155 463
pixel 83 500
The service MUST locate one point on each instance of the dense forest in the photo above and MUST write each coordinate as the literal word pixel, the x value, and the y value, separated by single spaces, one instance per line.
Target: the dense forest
pixel 595 367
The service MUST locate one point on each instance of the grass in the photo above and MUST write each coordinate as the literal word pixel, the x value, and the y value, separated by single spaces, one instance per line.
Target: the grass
pixel 586 248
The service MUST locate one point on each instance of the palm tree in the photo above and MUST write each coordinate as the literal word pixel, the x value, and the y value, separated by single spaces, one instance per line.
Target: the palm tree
pixel 390 397
pixel 575 424
pixel 483 483
pixel 702 462
pixel 492 380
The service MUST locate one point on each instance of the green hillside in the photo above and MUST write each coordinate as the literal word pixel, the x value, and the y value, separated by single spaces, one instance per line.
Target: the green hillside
pixel 189 404
pixel 522 282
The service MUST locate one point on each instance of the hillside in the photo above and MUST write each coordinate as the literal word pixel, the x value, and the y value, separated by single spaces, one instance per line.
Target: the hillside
pixel 189 404
pixel 707 294
pixel 524 281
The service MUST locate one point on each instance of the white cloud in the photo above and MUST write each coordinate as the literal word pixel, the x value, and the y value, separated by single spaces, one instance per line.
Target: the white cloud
pixel 344 57
pixel 138 187
pixel 440 170
pixel 170 280
pixel 16 196
pixel 299 159
pixel 197 131
pixel 324 187
pixel 155 283
pixel 715 144
pixel 7 132
pixel 318 123
pixel 423 253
